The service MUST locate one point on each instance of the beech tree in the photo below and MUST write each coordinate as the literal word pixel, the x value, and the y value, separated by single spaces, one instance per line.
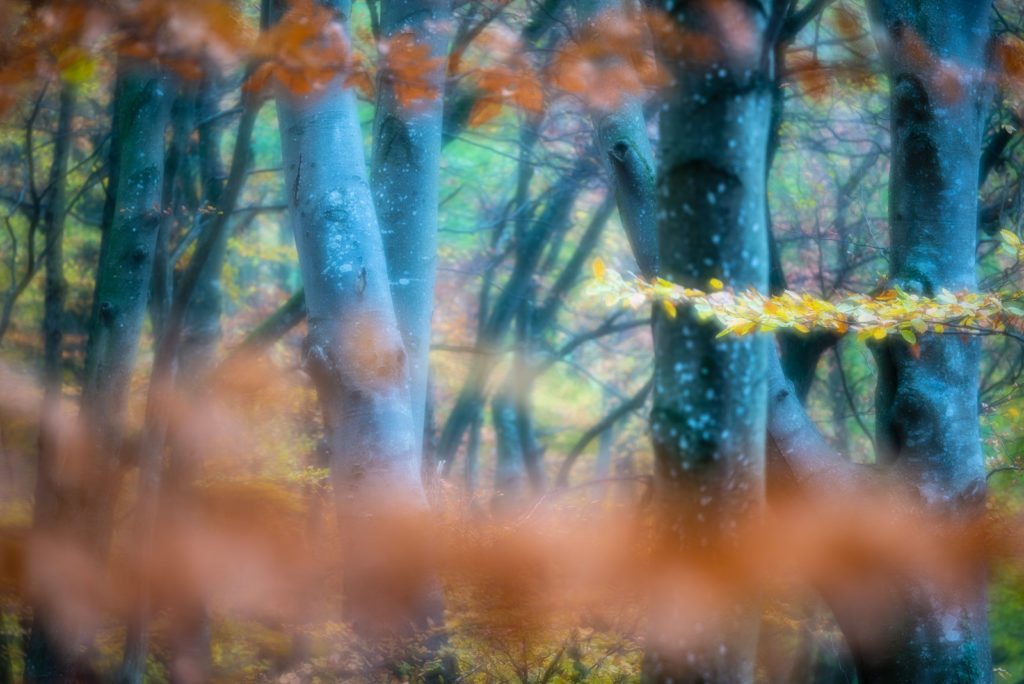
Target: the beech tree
pixel 708 418
pixel 927 430
pixel 355 351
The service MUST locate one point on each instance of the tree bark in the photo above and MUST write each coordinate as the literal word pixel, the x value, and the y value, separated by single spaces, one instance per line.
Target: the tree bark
pixel 927 397
pixel 119 306
pixel 708 417
pixel 355 355
pixel 556 212
pixel 202 324
pixel 405 176
pixel 625 148
pixel 53 312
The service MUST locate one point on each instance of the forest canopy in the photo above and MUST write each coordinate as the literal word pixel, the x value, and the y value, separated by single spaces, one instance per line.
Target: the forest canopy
pixel 511 340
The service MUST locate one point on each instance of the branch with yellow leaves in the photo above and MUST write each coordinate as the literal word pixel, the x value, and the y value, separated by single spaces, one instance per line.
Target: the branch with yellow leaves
pixel 890 311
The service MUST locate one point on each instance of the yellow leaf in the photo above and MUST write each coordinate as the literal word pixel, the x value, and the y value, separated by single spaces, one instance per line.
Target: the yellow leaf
pixel 78 70
pixel 599 269
pixel 745 327
pixel 669 307
pixel 716 284
pixel 878 333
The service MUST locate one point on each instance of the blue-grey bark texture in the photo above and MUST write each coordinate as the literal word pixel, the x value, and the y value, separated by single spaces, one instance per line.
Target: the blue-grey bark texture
pixel 405 175
pixel 355 355
pixel 625 148
pixel 126 252
pixel 927 399
pixel 119 307
pixel 42 653
pixel 53 312
pixel 708 417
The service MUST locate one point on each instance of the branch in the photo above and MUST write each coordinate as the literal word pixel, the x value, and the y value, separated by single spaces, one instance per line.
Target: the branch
pixel 608 327
pixel 797 20
pixel 570 274
pixel 620 411
pixel 207 242
pixel 811 462
pixel 1003 469
pixel 276 326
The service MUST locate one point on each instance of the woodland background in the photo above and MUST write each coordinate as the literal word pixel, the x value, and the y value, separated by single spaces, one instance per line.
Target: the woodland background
pixel 537 458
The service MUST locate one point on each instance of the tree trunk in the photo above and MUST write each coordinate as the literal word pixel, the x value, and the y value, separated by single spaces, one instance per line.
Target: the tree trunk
pixel 708 419
pixel 509 471
pixel 202 331
pixel 355 355
pixel 625 148
pixel 119 306
pixel 556 213
pixel 47 494
pixel 405 176
pixel 927 396
pixel 53 312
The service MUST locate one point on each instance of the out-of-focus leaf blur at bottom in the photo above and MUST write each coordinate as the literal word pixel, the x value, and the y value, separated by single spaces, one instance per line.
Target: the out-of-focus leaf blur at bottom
pixel 556 590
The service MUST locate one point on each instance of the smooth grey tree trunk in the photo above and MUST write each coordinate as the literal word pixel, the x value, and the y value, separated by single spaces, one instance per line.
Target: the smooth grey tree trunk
pixel 356 357
pixel 405 176
pixel 926 399
pixel 708 418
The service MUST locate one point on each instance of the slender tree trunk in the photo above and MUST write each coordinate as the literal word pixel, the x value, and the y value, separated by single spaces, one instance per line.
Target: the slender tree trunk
pixel 708 419
pixel 356 358
pixel 53 312
pixel 56 284
pixel 119 306
pixel 46 491
pixel 405 176
pixel 202 331
pixel 556 212
pixel 509 474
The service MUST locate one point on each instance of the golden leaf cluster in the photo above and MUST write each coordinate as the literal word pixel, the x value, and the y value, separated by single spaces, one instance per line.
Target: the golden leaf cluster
pixel 890 312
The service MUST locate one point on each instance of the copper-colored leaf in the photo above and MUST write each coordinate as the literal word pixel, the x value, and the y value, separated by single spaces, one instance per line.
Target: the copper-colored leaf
pixel 257 81
pixel 812 76
pixel 483 111
pixel 846 22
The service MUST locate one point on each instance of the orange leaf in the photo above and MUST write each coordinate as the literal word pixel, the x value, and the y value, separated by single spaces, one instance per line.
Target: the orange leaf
pixel 847 23
pixel 361 80
pixel 811 75
pixel 483 111
pixel 257 81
